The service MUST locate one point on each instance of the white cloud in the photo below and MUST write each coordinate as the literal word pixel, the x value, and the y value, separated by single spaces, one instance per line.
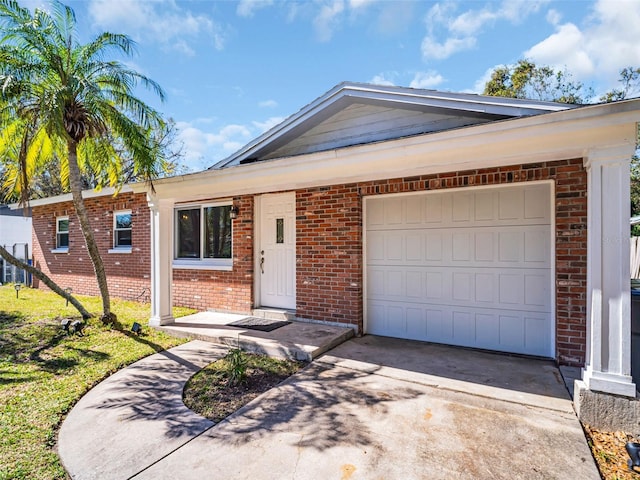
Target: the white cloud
pixel 203 148
pixel 599 49
pixel 359 4
pixel 449 33
pixel 381 79
pixel 554 17
pixel 564 49
pixel 268 104
pixel 162 21
pixel 205 144
pixel 327 19
pixel 246 8
pixel 429 79
pixel 432 49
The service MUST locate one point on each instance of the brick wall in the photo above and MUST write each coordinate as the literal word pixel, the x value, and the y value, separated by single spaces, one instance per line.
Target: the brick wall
pixel 329 243
pixel 329 254
pixel 230 291
pixel 128 274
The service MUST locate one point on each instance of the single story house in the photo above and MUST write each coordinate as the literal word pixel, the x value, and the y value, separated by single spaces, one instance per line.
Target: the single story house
pixel 485 222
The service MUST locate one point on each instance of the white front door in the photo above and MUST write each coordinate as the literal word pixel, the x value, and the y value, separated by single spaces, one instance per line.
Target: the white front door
pixel 276 253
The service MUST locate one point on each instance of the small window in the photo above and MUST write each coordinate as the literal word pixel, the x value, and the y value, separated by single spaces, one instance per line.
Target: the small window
pixel 204 233
pixel 122 229
pixel 62 232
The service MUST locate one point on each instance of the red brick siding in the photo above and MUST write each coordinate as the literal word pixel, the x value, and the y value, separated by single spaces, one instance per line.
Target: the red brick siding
pixel 230 291
pixel 329 254
pixel 128 274
pixel 329 243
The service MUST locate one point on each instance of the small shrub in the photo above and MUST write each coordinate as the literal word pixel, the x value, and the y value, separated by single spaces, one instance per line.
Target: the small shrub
pixel 237 370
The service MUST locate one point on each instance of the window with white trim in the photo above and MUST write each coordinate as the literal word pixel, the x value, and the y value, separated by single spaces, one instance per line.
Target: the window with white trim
pixel 122 229
pixel 62 233
pixel 203 235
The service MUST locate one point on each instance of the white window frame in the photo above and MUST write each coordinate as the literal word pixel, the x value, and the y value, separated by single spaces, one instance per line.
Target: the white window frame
pixel 200 263
pixel 58 248
pixel 121 248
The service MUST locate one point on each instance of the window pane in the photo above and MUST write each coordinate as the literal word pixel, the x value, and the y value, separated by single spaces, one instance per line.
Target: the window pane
pixel 123 238
pixel 217 232
pixel 189 233
pixel 63 225
pixel 123 220
pixel 62 240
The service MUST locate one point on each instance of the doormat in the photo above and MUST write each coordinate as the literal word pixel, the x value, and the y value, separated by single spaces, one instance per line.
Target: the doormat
pixel 261 324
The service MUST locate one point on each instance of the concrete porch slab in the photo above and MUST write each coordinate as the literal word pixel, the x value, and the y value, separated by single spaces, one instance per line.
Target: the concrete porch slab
pixel 298 340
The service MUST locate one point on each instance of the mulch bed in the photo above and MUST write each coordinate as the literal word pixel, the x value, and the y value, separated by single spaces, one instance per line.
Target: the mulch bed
pixel 610 455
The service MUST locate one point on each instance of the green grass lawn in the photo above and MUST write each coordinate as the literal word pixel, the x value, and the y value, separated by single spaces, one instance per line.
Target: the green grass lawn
pixel 44 371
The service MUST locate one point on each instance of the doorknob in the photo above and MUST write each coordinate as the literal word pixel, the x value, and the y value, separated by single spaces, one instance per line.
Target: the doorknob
pixel 262 263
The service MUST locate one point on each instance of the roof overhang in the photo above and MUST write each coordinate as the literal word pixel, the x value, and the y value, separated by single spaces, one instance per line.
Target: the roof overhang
pixel 558 135
pixel 67 197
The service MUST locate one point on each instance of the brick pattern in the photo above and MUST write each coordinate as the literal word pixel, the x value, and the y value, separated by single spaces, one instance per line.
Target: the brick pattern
pixel 128 274
pixel 329 243
pixel 329 254
pixel 230 291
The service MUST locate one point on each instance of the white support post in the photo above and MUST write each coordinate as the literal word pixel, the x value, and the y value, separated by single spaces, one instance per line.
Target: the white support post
pixel 161 261
pixel 608 367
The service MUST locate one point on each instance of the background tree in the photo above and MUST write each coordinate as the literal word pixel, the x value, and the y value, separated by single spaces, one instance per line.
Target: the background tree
pixel 64 100
pixel 528 80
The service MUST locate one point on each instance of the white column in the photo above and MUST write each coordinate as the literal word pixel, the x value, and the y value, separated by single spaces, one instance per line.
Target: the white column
pixel 161 261
pixel 608 367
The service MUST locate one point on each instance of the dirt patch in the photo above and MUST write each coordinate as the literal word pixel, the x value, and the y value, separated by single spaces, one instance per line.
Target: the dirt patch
pixel 211 394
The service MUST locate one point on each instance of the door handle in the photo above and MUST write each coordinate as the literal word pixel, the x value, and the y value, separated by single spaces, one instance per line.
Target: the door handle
pixel 262 265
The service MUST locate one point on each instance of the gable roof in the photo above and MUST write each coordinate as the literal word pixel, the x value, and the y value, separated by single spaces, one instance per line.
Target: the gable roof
pixel 355 113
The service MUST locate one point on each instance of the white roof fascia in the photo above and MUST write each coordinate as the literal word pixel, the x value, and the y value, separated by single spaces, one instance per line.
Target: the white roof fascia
pixel 553 136
pixel 455 101
pixel 67 197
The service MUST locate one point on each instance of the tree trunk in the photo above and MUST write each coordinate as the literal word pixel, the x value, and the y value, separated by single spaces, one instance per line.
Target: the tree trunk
pixel 47 281
pixel 75 182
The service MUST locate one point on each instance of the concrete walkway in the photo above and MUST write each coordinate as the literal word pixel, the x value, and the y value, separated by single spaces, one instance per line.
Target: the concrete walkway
pixel 371 408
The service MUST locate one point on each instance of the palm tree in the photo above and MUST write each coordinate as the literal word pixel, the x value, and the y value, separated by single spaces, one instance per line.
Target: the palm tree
pixel 63 99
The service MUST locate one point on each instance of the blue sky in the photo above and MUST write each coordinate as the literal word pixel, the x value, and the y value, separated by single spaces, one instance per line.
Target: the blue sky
pixel 233 69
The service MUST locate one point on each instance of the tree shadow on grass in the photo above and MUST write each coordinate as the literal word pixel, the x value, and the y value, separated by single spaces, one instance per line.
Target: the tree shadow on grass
pixel 24 341
pixel 140 338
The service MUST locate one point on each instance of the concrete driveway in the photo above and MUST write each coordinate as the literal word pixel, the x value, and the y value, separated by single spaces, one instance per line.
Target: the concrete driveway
pixel 372 408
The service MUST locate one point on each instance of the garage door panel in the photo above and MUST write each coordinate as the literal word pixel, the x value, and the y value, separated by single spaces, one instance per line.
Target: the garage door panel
pixel 521 205
pixel 503 246
pixel 465 267
pixel 487 288
pixel 492 329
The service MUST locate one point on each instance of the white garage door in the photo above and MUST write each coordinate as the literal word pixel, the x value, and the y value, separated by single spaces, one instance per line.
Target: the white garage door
pixel 469 267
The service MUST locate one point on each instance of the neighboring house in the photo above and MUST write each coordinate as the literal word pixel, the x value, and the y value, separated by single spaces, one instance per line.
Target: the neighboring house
pixel 121 229
pixel 15 237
